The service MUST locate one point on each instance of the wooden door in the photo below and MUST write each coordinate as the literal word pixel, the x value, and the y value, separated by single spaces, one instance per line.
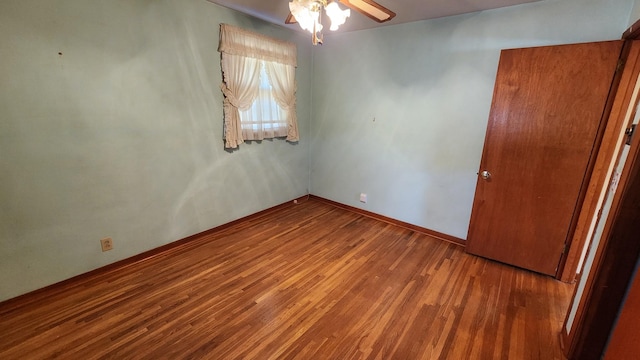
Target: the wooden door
pixel 545 118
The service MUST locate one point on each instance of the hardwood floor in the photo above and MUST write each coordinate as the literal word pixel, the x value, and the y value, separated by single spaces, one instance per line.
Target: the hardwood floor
pixel 308 281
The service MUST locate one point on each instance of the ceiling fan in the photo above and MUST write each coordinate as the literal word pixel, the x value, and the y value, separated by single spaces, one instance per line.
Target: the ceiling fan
pixel 308 13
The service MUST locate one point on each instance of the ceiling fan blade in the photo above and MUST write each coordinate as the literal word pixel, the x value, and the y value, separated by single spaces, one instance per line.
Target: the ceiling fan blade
pixel 290 19
pixel 371 9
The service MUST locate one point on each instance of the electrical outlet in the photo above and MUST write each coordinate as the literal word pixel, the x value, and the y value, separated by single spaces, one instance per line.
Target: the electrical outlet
pixel 363 198
pixel 107 244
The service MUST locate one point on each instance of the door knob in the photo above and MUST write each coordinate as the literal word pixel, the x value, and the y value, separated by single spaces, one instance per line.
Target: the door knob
pixel 485 175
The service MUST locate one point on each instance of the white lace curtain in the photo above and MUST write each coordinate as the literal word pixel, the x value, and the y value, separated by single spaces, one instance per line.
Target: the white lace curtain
pixel 242 53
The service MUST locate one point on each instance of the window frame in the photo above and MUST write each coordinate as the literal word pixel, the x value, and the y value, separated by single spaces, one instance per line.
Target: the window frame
pixel 243 54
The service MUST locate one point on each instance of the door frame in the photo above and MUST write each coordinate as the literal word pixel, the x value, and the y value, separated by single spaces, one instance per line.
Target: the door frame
pixel 608 277
pixel 619 114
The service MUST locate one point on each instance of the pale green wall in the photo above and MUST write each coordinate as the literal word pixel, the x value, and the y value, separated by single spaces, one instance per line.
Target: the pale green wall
pixel 121 135
pixel 635 12
pixel 428 85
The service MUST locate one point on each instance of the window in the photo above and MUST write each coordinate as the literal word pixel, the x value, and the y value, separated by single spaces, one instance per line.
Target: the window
pixel 258 85
pixel 265 118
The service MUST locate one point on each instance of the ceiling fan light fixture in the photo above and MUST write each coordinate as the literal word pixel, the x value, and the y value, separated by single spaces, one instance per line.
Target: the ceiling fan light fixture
pixel 307 14
pixel 336 15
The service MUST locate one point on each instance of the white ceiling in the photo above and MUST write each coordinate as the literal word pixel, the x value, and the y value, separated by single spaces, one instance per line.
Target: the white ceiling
pixel 276 11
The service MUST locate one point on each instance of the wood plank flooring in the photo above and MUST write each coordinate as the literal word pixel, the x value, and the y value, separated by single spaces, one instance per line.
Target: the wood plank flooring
pixel 308 281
